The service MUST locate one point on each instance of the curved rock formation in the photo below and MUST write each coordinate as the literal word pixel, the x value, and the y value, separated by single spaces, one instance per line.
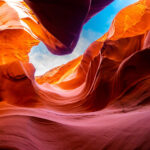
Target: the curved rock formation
pixel 98 101
pixel 64 20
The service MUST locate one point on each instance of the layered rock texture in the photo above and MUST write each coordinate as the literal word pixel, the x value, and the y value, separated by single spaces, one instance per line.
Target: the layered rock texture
pixel 98 101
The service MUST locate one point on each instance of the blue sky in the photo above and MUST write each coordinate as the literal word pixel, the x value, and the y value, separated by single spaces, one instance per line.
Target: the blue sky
pixel 43 60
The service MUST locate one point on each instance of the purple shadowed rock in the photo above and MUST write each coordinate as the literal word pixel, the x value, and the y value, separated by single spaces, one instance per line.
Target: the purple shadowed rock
pixel 64 19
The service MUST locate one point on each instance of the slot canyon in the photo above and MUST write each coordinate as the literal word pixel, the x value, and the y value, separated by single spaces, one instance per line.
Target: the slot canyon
pixel 97 101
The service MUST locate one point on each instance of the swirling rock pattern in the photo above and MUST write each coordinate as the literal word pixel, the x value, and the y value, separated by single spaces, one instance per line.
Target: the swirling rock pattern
pixel 97 101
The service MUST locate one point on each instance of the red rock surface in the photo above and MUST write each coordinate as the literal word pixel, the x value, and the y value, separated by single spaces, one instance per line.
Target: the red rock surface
pixel 97 101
